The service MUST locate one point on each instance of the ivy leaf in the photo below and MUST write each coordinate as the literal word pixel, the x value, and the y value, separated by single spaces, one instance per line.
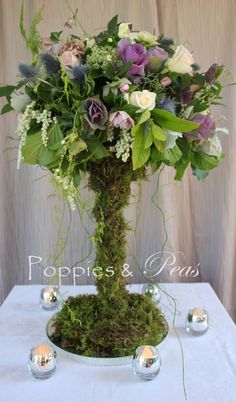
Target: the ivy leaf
pixel 96 149
pixel 32 148
pixel 203 161
pixel 6 108
pixel 55 135
pixel 168 120
pixel 158 133
pixel 172 155
pixel 46 156
pixel 55 36
pixel 112 26
pixel 140 154
pixel 78 146
pixel 144 116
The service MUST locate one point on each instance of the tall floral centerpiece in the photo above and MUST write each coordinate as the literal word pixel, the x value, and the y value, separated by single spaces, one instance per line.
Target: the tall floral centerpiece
pixel 112 106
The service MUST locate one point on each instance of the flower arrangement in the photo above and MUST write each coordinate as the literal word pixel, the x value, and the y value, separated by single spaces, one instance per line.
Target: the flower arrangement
pixel 112 106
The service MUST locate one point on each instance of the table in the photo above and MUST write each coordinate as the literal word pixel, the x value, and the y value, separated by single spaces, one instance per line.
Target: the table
pixel 210 360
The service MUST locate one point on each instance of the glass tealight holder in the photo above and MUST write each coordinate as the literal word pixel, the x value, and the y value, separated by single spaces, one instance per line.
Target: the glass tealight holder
pixel 50 298
pixel 146 362
pixel 197 321
pixel 42 361
pixel 153 290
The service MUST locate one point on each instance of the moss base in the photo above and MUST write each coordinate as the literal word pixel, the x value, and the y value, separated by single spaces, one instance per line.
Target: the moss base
pixel 88 327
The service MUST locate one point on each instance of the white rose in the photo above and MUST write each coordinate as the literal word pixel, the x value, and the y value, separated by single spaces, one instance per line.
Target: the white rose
pixel 181 61
pixel 124 31
pixel 146 37
pixel 143 99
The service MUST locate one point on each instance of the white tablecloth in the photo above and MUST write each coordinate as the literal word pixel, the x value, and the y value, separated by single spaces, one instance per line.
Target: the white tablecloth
pixel 210 360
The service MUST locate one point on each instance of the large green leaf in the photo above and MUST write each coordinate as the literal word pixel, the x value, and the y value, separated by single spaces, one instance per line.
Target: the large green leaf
pixel 172 155
pixel 158 133
pixel 203 161
pixel 96 149
pixel 54 134
pixel 34 152
pixel 140 154
pixel 168 120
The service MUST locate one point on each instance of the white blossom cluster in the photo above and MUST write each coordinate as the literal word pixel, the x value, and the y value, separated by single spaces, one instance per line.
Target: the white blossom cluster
pixel 44 117
pixel 124 145
pixel 110 133
pixel 67 186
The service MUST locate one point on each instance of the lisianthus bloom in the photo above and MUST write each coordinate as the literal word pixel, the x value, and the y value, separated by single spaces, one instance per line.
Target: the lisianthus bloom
pixel 165 81
pixel 181 62
pixel 157 56
pixel 71 53
pixel 121 119
pixel 95 113
pixel 143 99
pixel 210 75
pixel 69 23
pixel 134 53
pixel 206 128
pixel 124 85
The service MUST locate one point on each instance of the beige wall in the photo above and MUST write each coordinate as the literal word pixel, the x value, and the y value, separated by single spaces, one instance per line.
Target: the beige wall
pixel 200 218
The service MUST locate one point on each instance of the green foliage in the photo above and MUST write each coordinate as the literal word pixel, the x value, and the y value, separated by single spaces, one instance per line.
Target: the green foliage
pixel 140 153
pixel 171 122
pixel 32 38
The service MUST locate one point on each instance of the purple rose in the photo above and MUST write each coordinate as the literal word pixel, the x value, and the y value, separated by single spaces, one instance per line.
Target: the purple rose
pixel 135 53
pixel 95 113
pixel 205 129
pixel 157 56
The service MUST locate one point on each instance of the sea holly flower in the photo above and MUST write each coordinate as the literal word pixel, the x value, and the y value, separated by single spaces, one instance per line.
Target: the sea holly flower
pixel 157 57
pixel 206 128
pixel 134 53
pixel 181 62
pixel 28 72
pixel 52 65
pixel 121 120
pixel 95 113
pixel 143 99
pixel 167 104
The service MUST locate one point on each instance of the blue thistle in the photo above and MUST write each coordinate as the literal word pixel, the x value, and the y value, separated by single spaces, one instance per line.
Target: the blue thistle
pixel 167 104
pixel 28 72
pixel 51 64
pixel 78 74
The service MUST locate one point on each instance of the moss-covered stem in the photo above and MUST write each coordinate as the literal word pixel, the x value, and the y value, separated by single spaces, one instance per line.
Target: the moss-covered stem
pixel 110 180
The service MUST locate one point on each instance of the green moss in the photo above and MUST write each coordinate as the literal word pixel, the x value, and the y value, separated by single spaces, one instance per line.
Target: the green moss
pixel 114 322
pixel 117 331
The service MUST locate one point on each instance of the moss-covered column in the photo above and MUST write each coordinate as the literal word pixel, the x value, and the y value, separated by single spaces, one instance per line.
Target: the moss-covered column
pixel 110 179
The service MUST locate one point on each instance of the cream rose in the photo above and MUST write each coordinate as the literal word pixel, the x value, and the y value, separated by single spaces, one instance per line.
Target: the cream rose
pixel 124 31
pixel 181 61
pixel 143 99
pixel 147 37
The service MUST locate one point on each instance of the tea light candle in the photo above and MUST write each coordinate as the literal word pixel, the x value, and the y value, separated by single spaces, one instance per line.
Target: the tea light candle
pixel 197 321
pixel 146 362
pixel 153 290
pixel 49 298
pixel 42 361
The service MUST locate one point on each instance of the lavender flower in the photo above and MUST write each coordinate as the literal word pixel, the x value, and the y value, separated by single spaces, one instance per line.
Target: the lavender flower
pixel 134 53
pixel 95 113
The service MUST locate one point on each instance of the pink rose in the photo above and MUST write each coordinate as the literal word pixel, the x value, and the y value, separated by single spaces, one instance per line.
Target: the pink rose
pixel 165 81
pixel 68 59
pixel 121 120
pixel 124 88
pixel 50 46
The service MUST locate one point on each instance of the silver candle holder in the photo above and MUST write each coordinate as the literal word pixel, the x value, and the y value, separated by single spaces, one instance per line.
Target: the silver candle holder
pixel 42 361
pixel 50 298
pixel 153 290
pixel 197 321
pixel 146 362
